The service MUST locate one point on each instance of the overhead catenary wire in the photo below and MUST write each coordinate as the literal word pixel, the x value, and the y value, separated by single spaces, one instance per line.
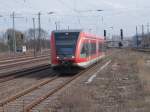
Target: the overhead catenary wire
pixel 66 5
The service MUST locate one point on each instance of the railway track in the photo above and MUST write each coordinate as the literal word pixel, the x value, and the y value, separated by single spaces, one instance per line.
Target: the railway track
pixel 22 65
pixel 9 61
pixel 27 91
pixel 17 56
pixel 21 73
pixel 11 87
pixel 33 60
pixel 143 50
pixel 6 57
pixel 33 96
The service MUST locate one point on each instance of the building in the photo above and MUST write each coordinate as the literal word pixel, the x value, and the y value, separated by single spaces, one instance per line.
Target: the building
pixel 141 41
pixel 116 41
pixel 18 41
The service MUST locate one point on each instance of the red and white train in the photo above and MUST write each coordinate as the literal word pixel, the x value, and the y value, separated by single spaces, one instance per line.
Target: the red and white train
pixel 75 48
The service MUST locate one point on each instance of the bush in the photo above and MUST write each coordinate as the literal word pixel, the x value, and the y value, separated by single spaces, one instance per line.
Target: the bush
pixel 3 47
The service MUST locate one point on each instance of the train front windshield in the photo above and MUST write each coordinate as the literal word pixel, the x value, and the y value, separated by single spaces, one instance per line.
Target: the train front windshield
pixel 66 44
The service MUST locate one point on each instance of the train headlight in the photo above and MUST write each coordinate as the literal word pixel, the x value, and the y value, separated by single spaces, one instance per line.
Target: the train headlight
pixel 73 57
pixel 57 57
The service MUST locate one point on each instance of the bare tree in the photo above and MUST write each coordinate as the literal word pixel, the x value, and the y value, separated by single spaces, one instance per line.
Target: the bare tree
pixel 31 42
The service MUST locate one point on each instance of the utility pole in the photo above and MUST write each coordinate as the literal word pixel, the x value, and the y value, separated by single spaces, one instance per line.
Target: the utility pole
pixel 34 36
pixel 13 32
pixel 14 36
pixel 103 29
pixel 39 36
pixel 142 30
pixel 143 42
pixel 68 27
pixel 56 25
pixel 59 25
pixel 137 40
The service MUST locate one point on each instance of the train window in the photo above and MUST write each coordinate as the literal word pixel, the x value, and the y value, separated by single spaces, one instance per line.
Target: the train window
pixel 84 50
pixel 93 48
pixel 104 47
pixel 100 48
pixel 66 43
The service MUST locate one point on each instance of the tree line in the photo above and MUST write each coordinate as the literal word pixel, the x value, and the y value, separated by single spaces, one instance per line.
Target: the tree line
pixel 29 38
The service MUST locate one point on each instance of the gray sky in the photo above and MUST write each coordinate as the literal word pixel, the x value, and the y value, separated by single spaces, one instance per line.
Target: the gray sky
pixel 118 14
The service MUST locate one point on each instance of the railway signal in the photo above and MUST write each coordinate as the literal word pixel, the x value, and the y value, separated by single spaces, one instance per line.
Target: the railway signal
pixel 105 34
pixel 121 34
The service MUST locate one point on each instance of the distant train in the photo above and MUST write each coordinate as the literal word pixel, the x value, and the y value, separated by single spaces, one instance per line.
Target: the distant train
pixel 75 49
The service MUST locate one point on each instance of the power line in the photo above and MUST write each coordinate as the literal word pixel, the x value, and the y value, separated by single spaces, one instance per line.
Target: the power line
pixel 66 5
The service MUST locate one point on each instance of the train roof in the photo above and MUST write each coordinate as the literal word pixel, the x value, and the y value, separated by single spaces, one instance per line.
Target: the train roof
pixel 70 30
pixel 80 31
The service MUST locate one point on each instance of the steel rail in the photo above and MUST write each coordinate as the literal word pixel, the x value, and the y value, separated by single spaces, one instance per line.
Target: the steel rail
pixel 50 93
pixel 21 73
pixel 23 62
pixel 21 59
pixel 26 91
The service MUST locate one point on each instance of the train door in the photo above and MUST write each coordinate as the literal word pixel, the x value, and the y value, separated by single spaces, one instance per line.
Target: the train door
pixel 85 49
pixel 89 58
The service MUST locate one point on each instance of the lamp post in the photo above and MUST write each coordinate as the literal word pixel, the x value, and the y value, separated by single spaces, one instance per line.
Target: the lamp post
pixel 57 24
pixel 97 10
pixel 112 32
pixel 102 19
pixel 50 13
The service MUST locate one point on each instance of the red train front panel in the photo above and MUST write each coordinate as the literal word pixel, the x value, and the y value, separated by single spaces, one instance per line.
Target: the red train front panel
pixel 63 45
